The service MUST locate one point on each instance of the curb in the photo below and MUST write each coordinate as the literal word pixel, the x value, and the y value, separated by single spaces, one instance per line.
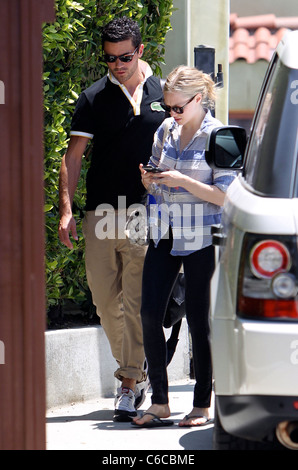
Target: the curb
pixel 80 365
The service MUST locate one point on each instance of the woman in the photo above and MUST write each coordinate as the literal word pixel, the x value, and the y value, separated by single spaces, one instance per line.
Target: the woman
pixel 190 200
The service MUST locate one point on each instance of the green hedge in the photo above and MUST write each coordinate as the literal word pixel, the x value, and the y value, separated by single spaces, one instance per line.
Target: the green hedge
pixel 72 61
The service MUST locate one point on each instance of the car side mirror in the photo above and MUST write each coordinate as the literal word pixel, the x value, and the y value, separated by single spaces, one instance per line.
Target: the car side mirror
pixel 225 147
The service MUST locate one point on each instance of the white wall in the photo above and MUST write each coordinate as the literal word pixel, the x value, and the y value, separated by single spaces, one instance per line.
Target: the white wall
pixel 245 84
pixel 261 7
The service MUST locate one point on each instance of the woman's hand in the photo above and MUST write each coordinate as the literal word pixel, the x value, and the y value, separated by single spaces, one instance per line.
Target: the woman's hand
pixel 171 178
pixel 206 192
pixel 174 179
pixel 147 178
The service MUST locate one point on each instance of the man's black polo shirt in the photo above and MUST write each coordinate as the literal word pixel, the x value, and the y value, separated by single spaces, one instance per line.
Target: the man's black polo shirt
pixel 122 133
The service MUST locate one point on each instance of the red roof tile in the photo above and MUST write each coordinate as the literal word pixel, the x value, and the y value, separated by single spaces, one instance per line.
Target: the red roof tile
pixel 254 38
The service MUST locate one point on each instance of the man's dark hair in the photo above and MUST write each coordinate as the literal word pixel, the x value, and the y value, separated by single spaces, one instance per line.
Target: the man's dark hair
pixel 121 29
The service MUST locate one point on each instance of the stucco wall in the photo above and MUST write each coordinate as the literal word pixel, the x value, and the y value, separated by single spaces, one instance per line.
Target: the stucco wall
pixel 278 7
pixel 245 84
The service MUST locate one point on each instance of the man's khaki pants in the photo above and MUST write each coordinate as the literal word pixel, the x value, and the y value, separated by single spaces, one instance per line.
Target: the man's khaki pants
pixel 114 270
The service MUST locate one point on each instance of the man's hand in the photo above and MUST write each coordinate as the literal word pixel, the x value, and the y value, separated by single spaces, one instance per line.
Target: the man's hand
pixel 68 180
pixel 67 225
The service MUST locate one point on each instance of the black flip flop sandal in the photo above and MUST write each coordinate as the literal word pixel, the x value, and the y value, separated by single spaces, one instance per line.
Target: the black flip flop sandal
pixel 156 422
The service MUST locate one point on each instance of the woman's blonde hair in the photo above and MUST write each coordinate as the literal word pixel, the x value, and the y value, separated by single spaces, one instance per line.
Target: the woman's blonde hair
pixel 190 81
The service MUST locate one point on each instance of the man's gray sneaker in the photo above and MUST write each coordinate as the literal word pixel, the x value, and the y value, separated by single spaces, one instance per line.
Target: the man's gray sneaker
pixel 124 405
pixel 141 390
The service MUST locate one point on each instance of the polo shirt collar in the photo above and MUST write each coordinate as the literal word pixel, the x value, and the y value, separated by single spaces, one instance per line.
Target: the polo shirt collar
pixel 147 70
pixel 136 105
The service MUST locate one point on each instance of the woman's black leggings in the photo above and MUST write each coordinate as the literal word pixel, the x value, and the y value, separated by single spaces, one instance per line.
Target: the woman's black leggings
pixel 161 269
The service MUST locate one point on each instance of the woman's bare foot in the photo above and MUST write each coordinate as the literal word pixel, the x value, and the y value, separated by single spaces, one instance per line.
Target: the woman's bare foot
pixel 197 417
pixel 162 411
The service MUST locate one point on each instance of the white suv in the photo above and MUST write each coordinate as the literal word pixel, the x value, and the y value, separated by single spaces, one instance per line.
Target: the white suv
pixel 254 305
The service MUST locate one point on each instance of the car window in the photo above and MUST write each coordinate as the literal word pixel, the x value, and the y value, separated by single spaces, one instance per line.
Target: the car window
pixel 271 160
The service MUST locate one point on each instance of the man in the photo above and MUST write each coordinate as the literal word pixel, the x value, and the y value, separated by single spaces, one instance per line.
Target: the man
pixel 120 112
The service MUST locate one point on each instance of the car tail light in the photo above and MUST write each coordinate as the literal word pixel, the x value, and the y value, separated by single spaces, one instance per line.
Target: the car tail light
pixel 268 285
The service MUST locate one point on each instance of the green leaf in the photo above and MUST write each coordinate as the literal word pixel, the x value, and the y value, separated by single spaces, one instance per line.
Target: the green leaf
pixel 48 207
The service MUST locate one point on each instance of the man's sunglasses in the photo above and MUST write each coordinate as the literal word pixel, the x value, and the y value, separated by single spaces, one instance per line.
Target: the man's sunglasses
pixel 176 109
pixel 124 57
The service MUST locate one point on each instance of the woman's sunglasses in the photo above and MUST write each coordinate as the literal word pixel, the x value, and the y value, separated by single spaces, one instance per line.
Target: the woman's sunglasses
pixel 123 57
pixel 176 109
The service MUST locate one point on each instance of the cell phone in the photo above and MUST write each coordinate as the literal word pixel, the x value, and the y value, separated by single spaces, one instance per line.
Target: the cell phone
pixel 151 169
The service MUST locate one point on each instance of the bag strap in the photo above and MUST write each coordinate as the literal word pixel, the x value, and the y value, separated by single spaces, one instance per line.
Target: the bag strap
pixel 173 341
pixel 162 82
pixel 167 125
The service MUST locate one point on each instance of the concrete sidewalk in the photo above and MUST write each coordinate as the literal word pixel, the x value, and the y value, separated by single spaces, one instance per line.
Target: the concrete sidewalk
pixel 89 426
